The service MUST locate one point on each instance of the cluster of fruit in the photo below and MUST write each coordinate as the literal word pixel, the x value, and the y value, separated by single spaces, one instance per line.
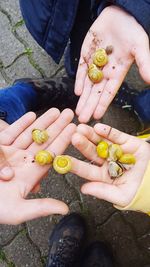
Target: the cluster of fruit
pixel 61 163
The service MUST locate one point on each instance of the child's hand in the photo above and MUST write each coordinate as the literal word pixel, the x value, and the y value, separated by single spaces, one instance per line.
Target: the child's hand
pixel 121 190
pixel 6 172
pixel 130 42
pixel 19 150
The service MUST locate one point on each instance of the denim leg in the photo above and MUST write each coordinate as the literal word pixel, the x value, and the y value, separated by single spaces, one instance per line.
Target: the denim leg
pixel 16 100
pixel 81 26
pixel 141 104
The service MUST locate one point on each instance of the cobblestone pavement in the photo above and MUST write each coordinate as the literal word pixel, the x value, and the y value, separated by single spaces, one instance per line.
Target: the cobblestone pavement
pixel 26 245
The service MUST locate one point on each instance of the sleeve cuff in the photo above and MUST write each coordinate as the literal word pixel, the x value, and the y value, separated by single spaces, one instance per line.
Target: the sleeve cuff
pixel 140 10
pixel 141 201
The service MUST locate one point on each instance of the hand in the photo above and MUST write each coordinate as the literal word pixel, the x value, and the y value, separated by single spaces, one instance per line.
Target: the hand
pixel 19 150
pixel 130 42
pixel 121 190
pixel 6 172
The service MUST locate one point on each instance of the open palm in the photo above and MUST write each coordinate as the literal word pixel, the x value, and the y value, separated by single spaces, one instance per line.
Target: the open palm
pixel 19 150
pixel 129 41
pixel 121 190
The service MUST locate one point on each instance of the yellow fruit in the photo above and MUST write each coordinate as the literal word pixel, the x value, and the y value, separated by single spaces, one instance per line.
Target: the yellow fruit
pixel 100 58
pixel 102 149
pixel 127 159
pixel 95 74
pixel 39 136
pixel 115 152
pixel 44 157
pixel 62 164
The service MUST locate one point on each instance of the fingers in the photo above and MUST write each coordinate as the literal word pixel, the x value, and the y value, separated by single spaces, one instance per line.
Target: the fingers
pixel 3 125
pixel 87 148
pixel 142 57
pixel 109 91
pixel 108 192
pixel 80 76
pixel 9 135
pixel 63 140
pixel 57 147
pixel 36 208
pixel 89 106
pixel 44 121
pixel 112 134
pixel 85 95
pixel 89 133
pixel 6 172
pixel 90 172
pixel 54 130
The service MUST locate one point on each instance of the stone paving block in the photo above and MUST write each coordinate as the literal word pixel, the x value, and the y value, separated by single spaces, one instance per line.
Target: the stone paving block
pixel 55 186
pixel 3 264
pixel 3 83
pixel 22 69
pixel 10 47
pixel 39 231
pixel 39 55
pixel 22 252
pixel 12 8
pixel 122 120
pixel 144 242
pixel 8 232
pixel 135 219
pixel 134 79
pixel 121 238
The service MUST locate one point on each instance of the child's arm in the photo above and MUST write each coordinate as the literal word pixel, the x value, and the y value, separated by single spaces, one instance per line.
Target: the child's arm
pixel 129 191
pixel 130 43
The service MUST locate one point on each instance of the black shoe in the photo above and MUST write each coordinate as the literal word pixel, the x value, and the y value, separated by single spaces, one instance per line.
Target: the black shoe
pixel 66 242
pixel 97 255
pixel 53 92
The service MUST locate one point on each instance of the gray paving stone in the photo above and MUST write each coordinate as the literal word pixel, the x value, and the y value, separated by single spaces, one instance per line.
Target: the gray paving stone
pixel 22 69
pixel 134 78
pixel 122 120
pixel 7 233
pixel 3 83
pixel 22 252
pixel 39 55
pixel 144 242
pixel 39 231
pixel 10 47
pixel 12 8
pixel 123 242
pixel 3 264
pixel 55 186
pixel 135 219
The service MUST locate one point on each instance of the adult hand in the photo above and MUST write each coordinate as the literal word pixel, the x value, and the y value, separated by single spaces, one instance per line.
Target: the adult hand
pixel 118 191
pixel 19 150
pixel 130 42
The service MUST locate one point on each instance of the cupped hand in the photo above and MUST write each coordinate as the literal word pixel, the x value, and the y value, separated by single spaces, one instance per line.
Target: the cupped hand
pixel 19 151
pixel 118 191
pixel 130 42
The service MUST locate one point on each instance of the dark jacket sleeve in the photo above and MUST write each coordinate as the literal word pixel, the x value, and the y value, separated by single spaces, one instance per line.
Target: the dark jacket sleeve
pixel 139 9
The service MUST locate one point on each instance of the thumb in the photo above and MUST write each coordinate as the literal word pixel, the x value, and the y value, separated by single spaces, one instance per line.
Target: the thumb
pixel 108 192
pixel 6 173
pixel 142 58
pixel 35 208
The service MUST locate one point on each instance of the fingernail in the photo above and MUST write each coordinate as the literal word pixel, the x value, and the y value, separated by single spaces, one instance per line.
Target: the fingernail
pixel 6 171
